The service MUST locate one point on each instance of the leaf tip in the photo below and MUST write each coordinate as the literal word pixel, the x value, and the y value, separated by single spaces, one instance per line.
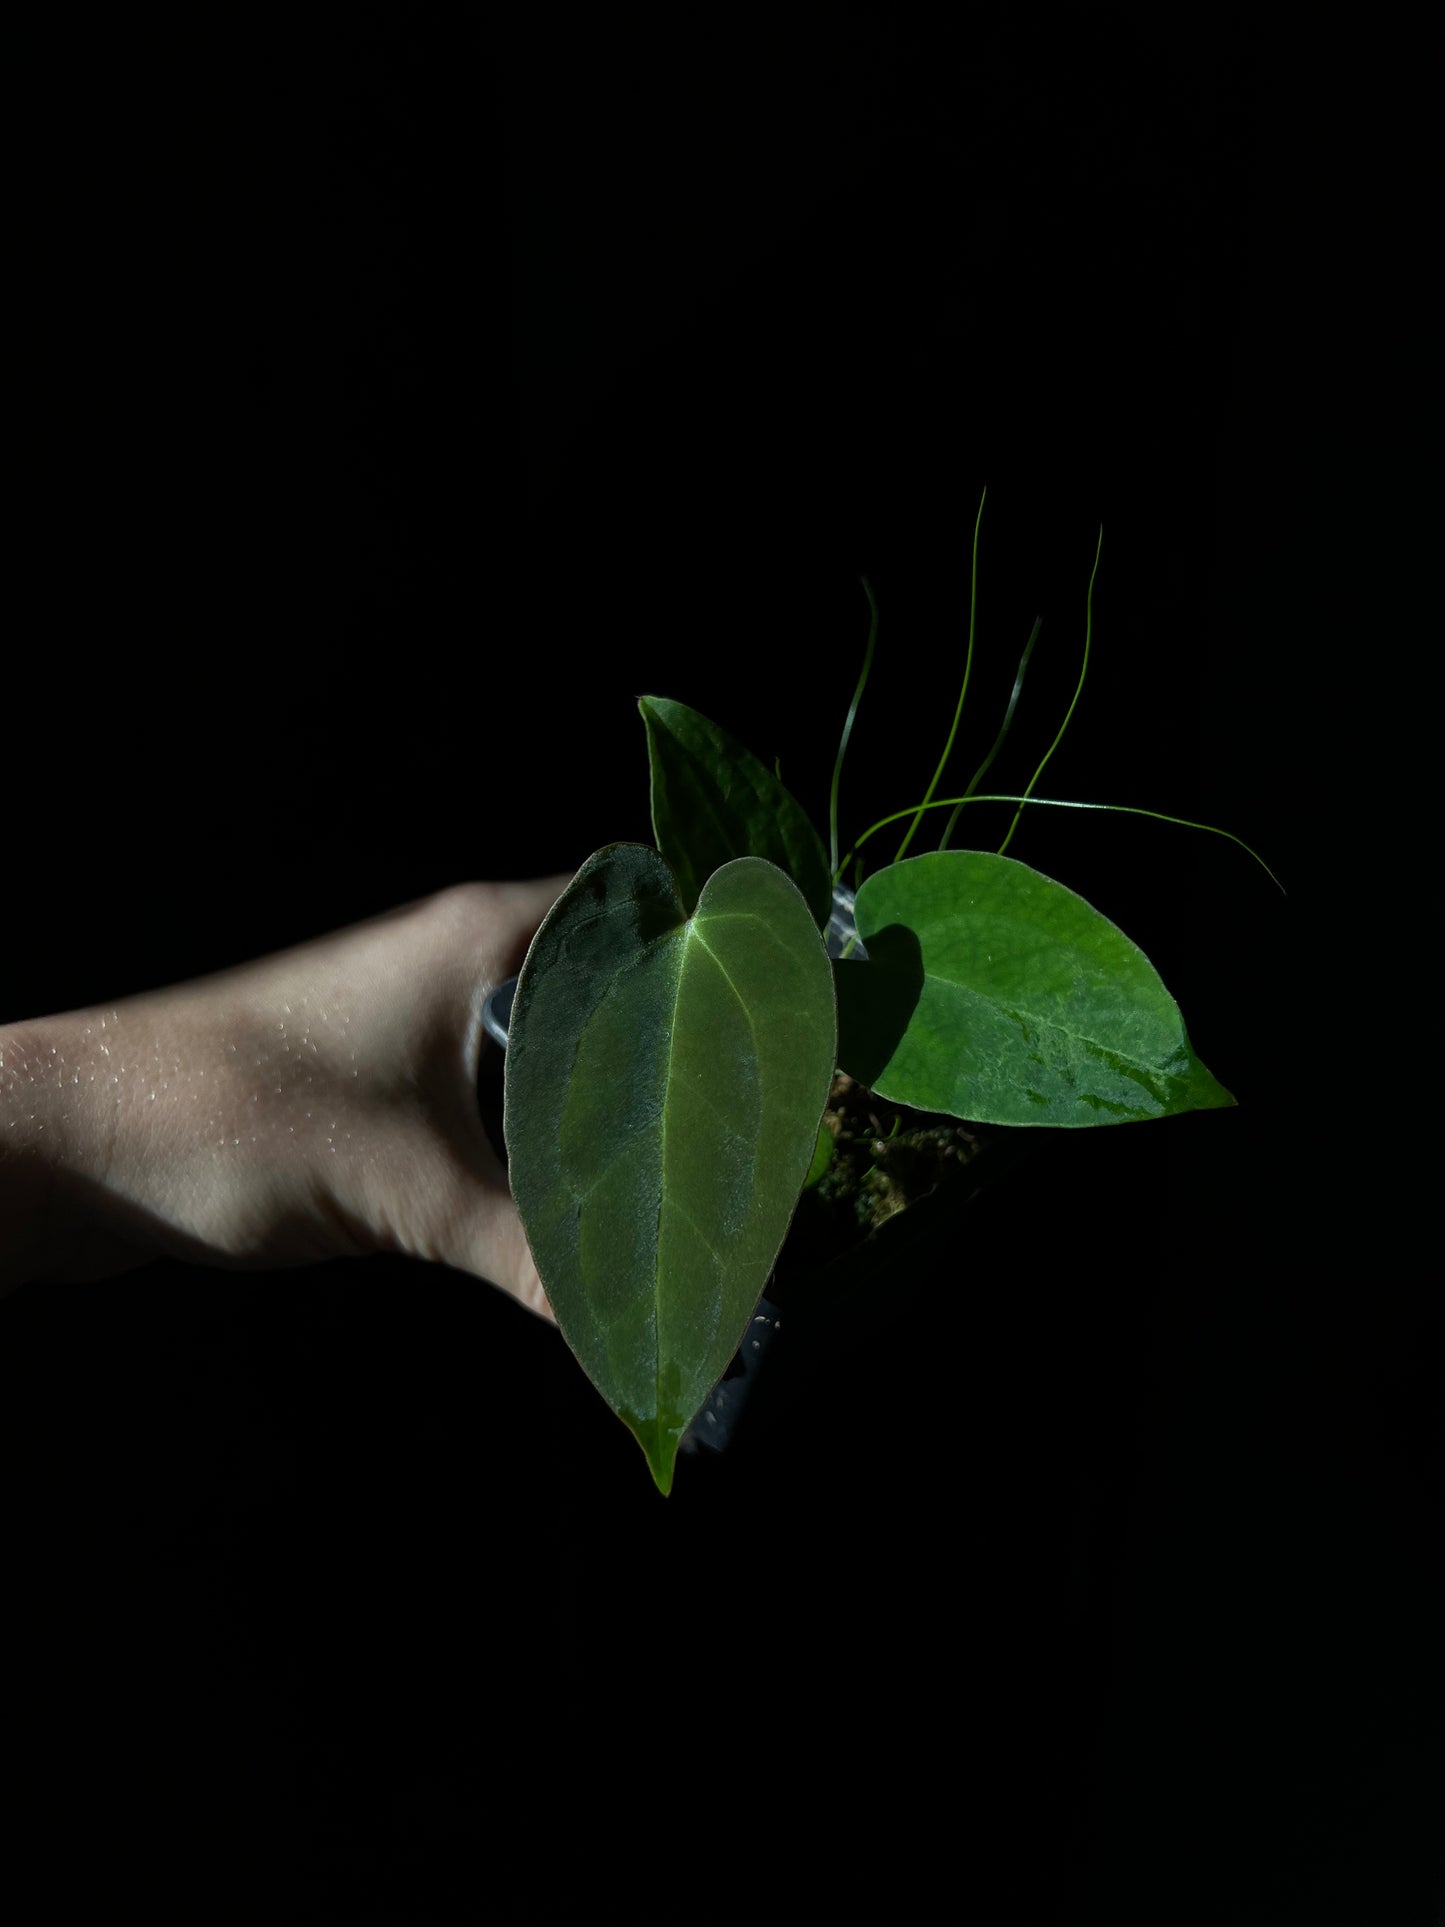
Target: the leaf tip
pixel 1208 1093
pixel 662 1461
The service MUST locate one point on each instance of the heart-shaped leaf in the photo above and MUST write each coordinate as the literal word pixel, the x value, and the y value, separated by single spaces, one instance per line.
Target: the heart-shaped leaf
pixel 666 1077
pixel 995 994
pixel 712 801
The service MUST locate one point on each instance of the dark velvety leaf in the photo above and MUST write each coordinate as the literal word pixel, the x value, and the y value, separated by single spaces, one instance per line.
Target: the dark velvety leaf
pixel 712 800
pixel 666 1077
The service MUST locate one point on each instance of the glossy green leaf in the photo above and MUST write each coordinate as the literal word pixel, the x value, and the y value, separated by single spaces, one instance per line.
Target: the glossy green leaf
pixel 713 801
pixel 666 1077
pixel 995 994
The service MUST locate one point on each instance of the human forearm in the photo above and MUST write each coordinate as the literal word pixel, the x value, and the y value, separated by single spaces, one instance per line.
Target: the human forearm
pixel 58 1113
pixel 224 1120
pixel 315 1103
pixel 135 1130
pixel 31 1216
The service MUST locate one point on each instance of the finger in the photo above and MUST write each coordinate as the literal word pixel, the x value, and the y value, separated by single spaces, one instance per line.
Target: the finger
pixel 523 907
pixel 483 1232
pixel 502 1255
pixel 484 929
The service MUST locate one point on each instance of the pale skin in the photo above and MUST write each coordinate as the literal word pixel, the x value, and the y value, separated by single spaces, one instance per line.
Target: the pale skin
pixel 317 1103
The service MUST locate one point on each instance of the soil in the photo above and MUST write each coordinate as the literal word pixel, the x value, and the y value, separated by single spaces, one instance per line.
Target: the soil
pixel 885 1157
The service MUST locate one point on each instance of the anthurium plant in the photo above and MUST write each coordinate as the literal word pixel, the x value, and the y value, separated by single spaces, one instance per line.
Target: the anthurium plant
pixel 679 1021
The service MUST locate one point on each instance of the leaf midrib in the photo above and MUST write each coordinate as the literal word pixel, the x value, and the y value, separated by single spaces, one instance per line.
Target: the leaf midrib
pixel 690 934
pixel 1047 1023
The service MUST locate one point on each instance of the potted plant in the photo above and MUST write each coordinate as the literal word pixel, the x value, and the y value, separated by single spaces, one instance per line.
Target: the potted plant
pixel 703 1030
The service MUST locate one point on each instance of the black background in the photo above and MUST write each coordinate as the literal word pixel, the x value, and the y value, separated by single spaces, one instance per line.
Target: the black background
pixel 396 406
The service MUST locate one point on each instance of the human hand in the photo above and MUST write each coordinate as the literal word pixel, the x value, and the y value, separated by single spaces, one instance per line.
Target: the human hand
pixel 317 1103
